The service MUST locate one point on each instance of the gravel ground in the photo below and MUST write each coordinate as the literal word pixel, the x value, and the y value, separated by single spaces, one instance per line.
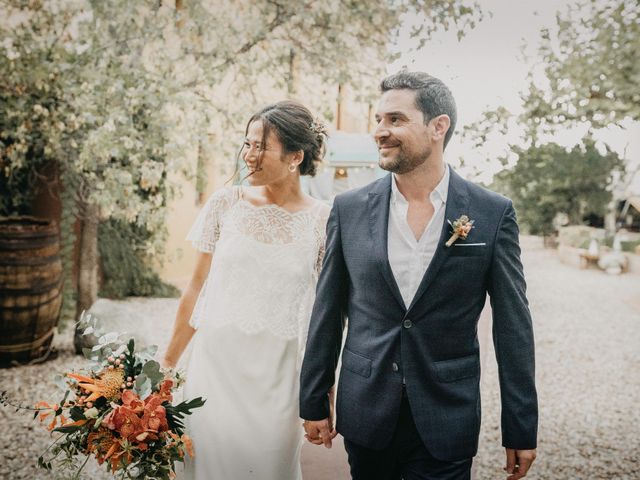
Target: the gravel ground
pixel 587 327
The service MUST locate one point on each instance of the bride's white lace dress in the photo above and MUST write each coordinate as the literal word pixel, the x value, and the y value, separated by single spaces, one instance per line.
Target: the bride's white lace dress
pixel 252 319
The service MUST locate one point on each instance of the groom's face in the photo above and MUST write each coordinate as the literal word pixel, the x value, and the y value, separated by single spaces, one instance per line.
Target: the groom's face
pixel 403 138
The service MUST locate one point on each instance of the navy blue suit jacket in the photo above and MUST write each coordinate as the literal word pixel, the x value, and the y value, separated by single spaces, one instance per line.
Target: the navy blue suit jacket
pixel 433 343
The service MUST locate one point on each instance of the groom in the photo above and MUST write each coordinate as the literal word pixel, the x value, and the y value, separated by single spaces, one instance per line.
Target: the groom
pixel 412 286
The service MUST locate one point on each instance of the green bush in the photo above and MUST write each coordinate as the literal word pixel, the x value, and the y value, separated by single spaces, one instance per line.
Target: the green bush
pixel 630 246
pixel 549 179
pixel 126 269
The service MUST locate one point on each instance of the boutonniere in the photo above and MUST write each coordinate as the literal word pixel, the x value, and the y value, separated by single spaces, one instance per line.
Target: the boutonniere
pixel 460 229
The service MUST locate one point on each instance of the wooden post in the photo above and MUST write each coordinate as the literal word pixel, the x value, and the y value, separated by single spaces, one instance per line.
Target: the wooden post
pixel 339 108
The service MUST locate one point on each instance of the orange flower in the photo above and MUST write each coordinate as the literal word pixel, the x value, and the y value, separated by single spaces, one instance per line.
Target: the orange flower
pixel 131 400
pixel 106 385
pixel 106 447
pixel 460 229
pixel 188 444
pixel 100 443
pixel 52 410
pixel 117 454
pixel 77 423
pixel 154 418
pixel 138 421
pixel 125 421
pixel 165 390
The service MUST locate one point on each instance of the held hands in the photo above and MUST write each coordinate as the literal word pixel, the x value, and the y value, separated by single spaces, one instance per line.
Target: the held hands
pixel 321 432
pixel 519 462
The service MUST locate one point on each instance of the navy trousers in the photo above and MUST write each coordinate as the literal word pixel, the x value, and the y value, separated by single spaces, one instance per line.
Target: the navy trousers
pixel 405 458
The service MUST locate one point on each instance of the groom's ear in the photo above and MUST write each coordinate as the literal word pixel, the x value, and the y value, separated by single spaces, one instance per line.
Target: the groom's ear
pixel 441 125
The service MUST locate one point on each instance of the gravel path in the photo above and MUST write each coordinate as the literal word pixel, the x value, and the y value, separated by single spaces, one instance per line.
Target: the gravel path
pixel 587 328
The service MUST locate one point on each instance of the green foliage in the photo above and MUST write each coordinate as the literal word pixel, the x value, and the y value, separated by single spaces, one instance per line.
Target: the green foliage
pixel 630 246
pixel 67 246
pixel 176 413
pixel 152 456
pixel 592 64
pixel 550 179
pixel 125 266
pixel 119 94
pixel 36 127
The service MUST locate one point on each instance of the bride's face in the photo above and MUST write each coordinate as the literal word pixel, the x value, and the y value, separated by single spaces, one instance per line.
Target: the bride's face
pixel 264 156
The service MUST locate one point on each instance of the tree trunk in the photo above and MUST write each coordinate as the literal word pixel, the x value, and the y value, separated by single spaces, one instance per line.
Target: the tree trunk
pixel 339 107
pixel 611 217
pixel 87 267
pixel 293 82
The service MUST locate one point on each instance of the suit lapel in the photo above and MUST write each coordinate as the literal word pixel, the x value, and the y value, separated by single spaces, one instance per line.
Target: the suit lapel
pixel 379 226
pixel 457 204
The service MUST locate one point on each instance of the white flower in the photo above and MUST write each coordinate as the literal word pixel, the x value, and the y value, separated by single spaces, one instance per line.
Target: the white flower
pixel 91 412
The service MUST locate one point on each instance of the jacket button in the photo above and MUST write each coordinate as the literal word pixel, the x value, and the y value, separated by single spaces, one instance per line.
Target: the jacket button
pixel 407 323
pixel 395 367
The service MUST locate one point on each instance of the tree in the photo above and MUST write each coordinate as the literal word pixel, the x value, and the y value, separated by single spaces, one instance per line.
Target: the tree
pixel 592 66
pixel 551 179
pixel 590 62
pixel 123 93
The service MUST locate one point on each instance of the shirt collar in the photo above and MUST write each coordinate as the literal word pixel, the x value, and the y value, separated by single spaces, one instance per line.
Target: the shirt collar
pixel 441 190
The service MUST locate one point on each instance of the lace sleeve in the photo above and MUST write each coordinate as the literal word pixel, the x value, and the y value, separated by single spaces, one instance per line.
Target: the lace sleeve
pixel 321 235
pixel 206 229
pixel 320 258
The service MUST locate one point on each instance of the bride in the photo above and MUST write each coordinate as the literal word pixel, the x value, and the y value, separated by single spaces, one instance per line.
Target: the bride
pixel 248 305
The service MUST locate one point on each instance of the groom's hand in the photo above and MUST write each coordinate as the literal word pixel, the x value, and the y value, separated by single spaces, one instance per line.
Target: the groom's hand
pixel 519 462
pixel 319 432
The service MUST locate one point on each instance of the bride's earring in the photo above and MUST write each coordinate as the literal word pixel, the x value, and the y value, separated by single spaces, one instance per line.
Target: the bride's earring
pixel 292 167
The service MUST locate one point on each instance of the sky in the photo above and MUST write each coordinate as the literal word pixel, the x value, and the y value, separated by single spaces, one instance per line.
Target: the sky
pixel 486 69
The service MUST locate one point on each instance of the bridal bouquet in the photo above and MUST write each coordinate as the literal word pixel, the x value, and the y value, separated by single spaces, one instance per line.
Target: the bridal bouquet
pixel 120 411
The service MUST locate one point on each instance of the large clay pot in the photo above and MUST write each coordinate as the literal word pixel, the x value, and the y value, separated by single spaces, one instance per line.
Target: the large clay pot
pixel 30 288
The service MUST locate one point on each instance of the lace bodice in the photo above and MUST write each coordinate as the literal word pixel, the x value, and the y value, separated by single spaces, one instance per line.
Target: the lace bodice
pixel 265 266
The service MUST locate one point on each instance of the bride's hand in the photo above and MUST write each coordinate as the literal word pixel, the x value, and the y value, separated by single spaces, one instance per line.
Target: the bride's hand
pixel 167 364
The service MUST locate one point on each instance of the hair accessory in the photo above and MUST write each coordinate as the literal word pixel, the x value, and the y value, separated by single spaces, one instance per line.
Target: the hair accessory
pixel 317 127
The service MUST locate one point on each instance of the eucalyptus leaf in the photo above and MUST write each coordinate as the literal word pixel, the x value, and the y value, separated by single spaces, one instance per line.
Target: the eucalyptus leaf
pixel 60 382
pixel 107 338
pixel 88 353
pixel 121 349
pixel 152 371
pixel 142 386
pixel 98 422
pixel 148 353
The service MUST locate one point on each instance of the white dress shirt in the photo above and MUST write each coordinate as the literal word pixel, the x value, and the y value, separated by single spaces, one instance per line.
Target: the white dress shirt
pixel 409 258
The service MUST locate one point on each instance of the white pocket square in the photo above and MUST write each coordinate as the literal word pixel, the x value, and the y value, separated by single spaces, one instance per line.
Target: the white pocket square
pixel 469 244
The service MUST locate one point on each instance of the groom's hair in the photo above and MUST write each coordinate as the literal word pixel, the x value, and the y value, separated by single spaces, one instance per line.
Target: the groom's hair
pixel 433 97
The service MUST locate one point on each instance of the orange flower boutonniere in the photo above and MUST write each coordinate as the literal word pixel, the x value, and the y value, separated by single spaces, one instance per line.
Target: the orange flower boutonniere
pixel 461 228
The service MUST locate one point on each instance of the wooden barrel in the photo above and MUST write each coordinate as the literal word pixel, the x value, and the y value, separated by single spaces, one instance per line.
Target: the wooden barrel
pixel 30 288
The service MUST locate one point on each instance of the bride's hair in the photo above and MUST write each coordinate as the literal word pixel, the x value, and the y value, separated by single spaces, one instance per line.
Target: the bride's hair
pixel 296 129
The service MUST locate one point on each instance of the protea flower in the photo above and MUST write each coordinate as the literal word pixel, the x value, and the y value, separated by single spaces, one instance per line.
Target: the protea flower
pixel 107 385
